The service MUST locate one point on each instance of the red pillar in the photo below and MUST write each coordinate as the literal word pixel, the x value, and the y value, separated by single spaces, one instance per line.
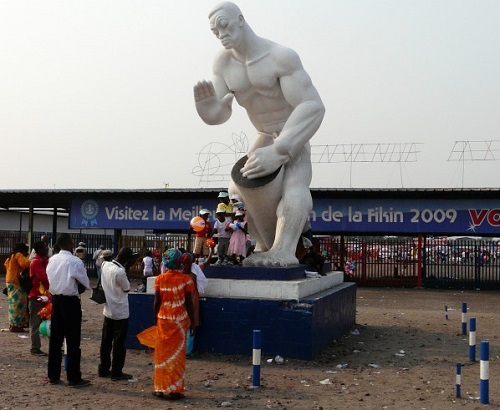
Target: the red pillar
pixel 420 261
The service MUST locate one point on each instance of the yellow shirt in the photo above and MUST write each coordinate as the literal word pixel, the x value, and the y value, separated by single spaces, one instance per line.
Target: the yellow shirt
pixel 228 208
pixel 14 265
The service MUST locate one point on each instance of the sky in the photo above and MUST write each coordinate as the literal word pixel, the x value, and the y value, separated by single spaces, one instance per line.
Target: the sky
pixel 98 94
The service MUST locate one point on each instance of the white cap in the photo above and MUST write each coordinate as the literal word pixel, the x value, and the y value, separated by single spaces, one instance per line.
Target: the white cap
pixel 204 211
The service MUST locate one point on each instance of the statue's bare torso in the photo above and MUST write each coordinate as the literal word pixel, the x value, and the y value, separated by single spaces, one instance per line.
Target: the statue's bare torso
pixel 257 89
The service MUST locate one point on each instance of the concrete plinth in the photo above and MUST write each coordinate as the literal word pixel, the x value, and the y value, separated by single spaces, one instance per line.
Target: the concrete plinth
pixel 298 318
pixel 255 272
pixel 296 289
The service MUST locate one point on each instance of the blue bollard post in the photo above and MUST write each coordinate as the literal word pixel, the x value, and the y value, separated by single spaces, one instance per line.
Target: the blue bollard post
pixel 484 371
pixel 459 379
pixel 464 318
pixel 472 339
pixel 256 356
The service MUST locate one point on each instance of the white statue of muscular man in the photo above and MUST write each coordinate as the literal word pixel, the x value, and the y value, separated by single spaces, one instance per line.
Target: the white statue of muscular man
pixel 268 80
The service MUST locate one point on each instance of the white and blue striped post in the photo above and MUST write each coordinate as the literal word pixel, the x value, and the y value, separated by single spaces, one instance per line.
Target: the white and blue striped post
pixel 464 318
pixel 484 371
pixel 446 311
pixel 458 382
pixel 256 356
pixel 472 339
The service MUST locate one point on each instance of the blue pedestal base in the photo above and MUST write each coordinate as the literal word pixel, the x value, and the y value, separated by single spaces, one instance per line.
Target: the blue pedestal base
pixel 289 328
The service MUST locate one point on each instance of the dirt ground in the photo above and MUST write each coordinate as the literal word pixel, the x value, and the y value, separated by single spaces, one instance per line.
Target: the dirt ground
pixel 402 353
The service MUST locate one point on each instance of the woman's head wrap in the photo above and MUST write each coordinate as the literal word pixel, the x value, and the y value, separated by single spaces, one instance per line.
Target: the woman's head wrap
pixel 186 261
pixel 171 258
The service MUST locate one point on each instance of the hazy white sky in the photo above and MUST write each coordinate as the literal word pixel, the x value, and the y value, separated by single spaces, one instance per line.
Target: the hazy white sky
pixel 98 93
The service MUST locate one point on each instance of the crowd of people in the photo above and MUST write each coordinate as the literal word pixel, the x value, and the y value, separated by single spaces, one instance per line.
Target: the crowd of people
pixel 58 282
pixel 59 277
pixel 232 240
pixel 229 232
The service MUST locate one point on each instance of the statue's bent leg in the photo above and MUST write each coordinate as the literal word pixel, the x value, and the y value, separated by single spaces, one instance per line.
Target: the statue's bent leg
pixel 292 213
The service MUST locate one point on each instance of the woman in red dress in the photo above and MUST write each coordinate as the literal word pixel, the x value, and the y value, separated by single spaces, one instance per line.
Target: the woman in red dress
pixel 174 315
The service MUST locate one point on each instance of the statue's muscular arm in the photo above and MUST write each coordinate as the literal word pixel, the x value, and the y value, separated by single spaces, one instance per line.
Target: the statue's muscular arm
pixel 213 100
pixel 300 126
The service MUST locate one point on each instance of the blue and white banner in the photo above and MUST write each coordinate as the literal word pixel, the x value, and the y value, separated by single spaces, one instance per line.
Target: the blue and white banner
pixel 407 216
pixel 136 214
pixel 330 216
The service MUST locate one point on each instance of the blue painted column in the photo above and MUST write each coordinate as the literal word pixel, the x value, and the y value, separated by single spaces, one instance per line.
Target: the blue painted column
pixel 472 339
pixel 464 318
pixel 484 371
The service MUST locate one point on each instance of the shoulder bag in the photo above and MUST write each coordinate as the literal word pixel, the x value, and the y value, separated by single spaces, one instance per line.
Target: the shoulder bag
pixel 98 295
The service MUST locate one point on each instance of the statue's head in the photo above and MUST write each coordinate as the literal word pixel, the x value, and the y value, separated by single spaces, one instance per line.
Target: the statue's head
pixel 227 22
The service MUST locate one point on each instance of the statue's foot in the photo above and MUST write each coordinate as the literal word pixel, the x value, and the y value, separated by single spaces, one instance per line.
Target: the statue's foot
pixel 271 259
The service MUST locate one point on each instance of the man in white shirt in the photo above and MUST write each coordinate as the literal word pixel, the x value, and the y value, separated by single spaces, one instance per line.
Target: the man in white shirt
pixel 116 286
pixel 65 272
pixel 201 279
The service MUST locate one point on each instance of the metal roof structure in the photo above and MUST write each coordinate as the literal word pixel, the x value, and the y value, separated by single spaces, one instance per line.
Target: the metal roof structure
pixel 60 199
